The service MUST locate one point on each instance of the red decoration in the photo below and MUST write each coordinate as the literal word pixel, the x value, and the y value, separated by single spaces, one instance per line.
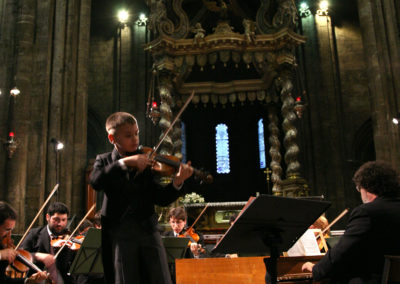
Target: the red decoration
pixel 11 134
pixel 154 104
pixel 298 99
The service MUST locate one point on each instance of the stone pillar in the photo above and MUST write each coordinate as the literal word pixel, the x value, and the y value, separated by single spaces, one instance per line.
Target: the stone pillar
pixel 379 27
pixel 17 167
pixel 49 50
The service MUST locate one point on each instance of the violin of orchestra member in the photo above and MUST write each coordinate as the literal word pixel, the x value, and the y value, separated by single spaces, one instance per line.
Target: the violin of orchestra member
pixel 38 242
pixel 97 220
pixel 132 249
pixel 371 233
pixel 177 220
pixel 8 218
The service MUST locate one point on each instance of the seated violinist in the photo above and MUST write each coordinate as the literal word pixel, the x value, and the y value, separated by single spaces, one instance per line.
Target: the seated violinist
pixel 177 220
pixel 38 241
pixel 8 217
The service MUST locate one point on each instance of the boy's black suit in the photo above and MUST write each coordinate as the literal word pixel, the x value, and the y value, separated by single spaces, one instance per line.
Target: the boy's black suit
pixel 131 243
pixel 372 232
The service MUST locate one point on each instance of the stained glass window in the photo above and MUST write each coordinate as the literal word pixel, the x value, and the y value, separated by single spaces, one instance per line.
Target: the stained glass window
pixel 222 146
pixel 261 143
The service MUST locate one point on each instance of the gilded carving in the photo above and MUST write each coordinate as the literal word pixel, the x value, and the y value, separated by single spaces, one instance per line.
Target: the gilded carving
pixel 285 16
pixel 160 24
pixel 199 33
pixel 249 30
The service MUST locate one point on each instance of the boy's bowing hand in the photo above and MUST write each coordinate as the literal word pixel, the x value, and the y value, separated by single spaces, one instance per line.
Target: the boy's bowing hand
pixel 139 162
pixel 184 172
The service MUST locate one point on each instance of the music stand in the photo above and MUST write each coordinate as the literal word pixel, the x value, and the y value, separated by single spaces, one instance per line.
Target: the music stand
pixel 175 247
pixel 88 259
pixel 271 225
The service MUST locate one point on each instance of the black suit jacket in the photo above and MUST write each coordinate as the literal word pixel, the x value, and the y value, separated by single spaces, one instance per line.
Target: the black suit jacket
pixel 188 253
pixel 38 240
pixel 128 191
pixel 129 197
pixel 372 232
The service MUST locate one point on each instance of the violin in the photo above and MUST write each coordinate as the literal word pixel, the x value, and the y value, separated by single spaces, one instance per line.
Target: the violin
pixel 73 243
pixel 194 238
pixel 189 232
pixel 167 165
pixel 22 263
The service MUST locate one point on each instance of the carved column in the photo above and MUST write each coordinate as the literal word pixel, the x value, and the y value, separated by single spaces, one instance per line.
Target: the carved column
pixel 294 185
pixel 274 151
pixel 292 149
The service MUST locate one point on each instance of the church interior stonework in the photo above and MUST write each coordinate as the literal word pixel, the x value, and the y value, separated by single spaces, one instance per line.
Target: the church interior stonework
pixel 289 97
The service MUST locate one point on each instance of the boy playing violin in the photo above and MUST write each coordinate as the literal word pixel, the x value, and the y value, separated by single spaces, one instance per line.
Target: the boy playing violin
pixel 8 217
pixel 132 250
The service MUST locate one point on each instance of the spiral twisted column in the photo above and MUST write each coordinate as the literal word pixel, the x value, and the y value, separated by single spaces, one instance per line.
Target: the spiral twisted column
pixel 274 151
pixel 177 140
pixel 290 132
pixel 166 147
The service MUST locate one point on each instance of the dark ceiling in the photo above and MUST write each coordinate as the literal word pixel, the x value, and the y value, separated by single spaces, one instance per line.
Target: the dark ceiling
pixel 104 20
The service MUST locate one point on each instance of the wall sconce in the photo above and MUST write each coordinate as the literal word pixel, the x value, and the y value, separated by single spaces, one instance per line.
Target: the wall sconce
pixel 58 146
pixel 142 21
pixel 123 17
pixel 304 10
pixel 152 110
pixel 323 8
pixel 10 145
pixel 299 107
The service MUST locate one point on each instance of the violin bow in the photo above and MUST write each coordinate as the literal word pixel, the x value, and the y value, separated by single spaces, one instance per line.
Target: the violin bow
pixel 77 227
pixel 37 215
pixel 174 121
pixel 344 212
pixel 198 217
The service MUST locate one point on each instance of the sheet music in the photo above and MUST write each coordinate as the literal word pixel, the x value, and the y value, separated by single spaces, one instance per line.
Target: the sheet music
pixel 305 246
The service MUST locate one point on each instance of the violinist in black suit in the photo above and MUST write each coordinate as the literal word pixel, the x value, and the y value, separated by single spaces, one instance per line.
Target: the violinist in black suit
pixel 372 231
pixel 8 218
pixel 178 220
pixel 131 244
pixel 38 242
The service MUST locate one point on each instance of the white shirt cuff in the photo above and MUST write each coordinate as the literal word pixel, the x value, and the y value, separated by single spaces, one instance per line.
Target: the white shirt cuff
pixel 122 164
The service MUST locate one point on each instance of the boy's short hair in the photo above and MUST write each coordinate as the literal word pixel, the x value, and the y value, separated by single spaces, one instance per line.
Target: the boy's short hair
pixel 178 213
pixel 57 207
pixel 117 119
pixel 6 212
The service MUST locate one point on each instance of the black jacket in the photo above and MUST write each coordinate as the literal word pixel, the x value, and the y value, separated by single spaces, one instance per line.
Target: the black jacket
pixel 372 232
pixel 38 240
pixel 126 191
